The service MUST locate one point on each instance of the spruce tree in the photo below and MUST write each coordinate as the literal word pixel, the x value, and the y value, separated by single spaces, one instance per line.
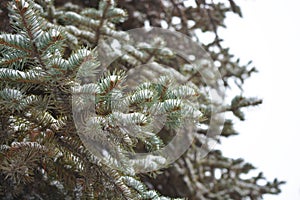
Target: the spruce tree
pixel 56 70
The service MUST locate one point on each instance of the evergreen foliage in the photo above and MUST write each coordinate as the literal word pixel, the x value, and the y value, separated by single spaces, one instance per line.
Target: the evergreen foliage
pixel 42 156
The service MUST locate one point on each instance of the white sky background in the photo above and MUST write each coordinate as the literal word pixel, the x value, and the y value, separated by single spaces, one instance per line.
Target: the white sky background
pixel 269 34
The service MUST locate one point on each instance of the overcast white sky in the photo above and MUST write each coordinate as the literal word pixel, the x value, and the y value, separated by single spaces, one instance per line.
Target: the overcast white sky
pixel 269 34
